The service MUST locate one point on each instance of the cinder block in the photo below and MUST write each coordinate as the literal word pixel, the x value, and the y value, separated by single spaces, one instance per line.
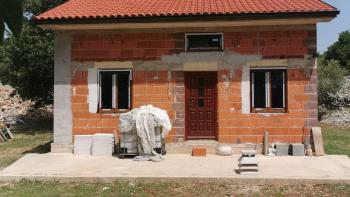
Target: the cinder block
pixel 298 150
pixel 282 149
pixel 82 144
pixel 102 144
pixel 199 152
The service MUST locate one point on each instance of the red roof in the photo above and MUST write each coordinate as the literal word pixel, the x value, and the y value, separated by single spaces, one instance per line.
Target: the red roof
pixel 96 9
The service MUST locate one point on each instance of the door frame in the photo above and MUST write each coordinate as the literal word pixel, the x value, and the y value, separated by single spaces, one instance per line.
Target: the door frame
pixel 187 75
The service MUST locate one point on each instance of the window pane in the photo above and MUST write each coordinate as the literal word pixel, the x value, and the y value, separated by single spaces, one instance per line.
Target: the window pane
pixel 259 90
pixel 106 90
pixel 123 90
pixel 204 42
pixel 200 102
pixel 276 78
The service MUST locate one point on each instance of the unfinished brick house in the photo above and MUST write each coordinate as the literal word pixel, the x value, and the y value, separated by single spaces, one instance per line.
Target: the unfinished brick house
pixel 225 70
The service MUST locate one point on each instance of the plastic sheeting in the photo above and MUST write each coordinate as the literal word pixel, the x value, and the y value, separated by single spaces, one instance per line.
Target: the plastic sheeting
pixel 144 120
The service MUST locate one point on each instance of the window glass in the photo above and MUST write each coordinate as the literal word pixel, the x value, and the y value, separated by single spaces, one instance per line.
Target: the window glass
pixel 277 94
pixel 209 42
pixel 259 90
pixel 123 90
pixel 115 90
pixel 200 102
pixel 268 89
pixel 106 90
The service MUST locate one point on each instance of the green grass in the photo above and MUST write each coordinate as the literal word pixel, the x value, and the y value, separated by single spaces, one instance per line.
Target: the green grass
pixel 336 140
pixel 30 137
pixel 36 136
pixel 33 188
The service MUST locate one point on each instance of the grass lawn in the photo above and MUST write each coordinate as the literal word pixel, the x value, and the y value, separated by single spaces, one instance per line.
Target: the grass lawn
pixel 35 137
pixel 30 137
pixel 336 140
pixel 29 188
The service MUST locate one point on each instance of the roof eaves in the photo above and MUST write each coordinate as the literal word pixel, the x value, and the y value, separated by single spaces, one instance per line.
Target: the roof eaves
pixel 184 18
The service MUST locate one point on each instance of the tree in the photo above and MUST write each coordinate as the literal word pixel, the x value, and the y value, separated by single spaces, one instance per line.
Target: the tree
pixel 27 61
pixel 340 50
pixel 11 14
pixel 330 79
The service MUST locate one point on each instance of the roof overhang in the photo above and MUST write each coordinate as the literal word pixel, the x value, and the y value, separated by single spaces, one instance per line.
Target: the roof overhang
pixel 252 19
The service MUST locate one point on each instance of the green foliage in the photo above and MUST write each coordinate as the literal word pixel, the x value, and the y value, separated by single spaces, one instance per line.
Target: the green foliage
pixel 330 78
pixel 11 13
pixel 340 51
pixel 26 62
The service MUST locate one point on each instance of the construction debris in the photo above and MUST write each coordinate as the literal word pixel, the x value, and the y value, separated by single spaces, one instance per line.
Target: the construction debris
pixel 317 141
pixel 5 133
pixel 199 152
pixel 248 164
pixel 224 150
pixel 145 120
pixel 13 109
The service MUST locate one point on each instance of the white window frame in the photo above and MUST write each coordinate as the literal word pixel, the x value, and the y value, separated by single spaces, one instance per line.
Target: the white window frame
pixel 267 88
pixel 114 92
pixel 210 33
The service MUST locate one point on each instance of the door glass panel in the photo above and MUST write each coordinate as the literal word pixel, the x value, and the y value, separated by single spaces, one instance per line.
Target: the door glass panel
pixel 201 82
pixel 201 92
pixel 200 102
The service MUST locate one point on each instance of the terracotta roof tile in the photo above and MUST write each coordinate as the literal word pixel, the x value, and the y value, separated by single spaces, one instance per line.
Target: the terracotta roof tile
pixel 82 9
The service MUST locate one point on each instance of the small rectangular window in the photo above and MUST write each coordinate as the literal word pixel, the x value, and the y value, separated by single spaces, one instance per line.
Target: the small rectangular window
pixel 204 42
pixel 115 88
pixel 268 88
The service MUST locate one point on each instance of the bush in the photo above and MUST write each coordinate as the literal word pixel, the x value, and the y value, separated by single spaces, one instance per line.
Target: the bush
pixel 340 50
pixel 330 79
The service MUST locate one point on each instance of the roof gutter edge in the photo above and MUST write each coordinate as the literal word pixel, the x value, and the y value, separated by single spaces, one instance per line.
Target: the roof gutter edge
pixel 188 18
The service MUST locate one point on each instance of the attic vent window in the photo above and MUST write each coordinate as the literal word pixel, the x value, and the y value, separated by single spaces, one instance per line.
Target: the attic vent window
pixel 204 42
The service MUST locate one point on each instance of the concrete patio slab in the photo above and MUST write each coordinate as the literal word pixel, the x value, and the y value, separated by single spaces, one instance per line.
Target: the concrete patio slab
pixel 176 167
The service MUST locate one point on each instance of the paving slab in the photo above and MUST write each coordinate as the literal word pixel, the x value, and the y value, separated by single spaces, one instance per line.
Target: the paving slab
pixel 178 167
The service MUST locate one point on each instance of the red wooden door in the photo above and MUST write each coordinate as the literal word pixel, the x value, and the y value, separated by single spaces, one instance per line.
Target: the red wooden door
pixel 200 102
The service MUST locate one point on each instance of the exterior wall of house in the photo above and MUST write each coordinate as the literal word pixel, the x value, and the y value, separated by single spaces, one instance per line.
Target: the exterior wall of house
pixel 159 63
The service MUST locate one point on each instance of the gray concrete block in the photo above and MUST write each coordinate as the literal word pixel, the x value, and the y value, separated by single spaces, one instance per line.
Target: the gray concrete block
pixel 298 150
pixel 82 144
pixel 61 148
pixel 282 149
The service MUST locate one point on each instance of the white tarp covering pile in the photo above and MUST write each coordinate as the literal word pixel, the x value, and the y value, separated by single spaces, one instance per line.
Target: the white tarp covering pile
pixel 144 120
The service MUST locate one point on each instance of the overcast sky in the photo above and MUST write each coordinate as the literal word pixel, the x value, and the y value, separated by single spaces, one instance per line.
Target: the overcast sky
pixel 328 33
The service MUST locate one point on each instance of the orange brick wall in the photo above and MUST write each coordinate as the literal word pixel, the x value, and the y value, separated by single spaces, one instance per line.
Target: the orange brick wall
pixel 83 121
pixel 151 46
pixel 293 126
pixel 165 89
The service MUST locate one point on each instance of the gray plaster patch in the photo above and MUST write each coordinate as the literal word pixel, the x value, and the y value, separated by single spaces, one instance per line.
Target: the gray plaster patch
pixel 225 59
pixel 62 92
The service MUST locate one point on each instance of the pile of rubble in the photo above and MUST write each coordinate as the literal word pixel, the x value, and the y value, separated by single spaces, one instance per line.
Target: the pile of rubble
pixel 342 97
pixel 341 100
pixel 13 109
pixel 340 117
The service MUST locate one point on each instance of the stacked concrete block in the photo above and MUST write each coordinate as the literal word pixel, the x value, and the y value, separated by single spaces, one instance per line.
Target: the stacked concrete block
pixel 82 144
pixel 248 164
pixel 298 150
pixel 102 144
pixel 282 149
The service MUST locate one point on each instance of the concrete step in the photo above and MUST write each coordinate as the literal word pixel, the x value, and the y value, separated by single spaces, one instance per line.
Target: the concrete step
pixel 210 145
